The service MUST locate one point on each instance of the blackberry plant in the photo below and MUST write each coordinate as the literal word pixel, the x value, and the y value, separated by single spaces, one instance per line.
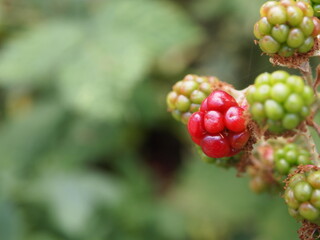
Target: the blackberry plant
pixel 264 129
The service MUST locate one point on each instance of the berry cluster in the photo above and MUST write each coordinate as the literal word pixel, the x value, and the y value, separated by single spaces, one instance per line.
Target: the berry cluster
pixel 302 196
pixel 277 103
pixel 219 127
pixel 286 27
pixel 279 100
pixel 188 94
pixel 289 157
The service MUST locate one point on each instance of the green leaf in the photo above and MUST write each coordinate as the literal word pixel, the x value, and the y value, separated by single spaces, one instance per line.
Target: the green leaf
pixel 160 25
pixel 97 82
pixel 34 56
pixel 73 198
pixel 11 227
pixel 24 138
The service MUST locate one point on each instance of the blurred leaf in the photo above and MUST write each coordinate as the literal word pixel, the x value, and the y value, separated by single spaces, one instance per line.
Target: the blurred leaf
pixel 24 138
pixel 73 198
pixel 98 81
pixel 34 56
pixel 160 25
pixel 10 222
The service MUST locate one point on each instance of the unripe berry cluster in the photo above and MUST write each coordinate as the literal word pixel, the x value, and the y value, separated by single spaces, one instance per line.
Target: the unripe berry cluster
pixel 302 196
pixel 289 157
pixel 286 27
pixel 219 126
pixel 188 94
pixel 279 101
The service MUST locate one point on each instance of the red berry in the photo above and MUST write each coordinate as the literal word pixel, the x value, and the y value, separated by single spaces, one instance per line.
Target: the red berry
pixel 219 127
pixel 238 140
pixel 195 125
pixel 213 122
pixel 234 119
pixel 204 106
pixel 216 146
pixel 196 140
pixel 220 101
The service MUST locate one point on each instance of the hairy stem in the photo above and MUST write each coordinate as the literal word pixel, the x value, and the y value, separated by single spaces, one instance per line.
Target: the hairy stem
pixel 306 72
pixel 312 146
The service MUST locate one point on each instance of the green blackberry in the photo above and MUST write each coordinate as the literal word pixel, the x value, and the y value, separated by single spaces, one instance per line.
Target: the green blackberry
pixel 279 100
pixel 188 94
pixel 287 158
pixel 286 27
pixel 302 194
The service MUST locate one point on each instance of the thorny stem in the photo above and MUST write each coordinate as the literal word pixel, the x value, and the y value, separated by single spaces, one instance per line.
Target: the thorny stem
pixel 312 146
pixel 306 72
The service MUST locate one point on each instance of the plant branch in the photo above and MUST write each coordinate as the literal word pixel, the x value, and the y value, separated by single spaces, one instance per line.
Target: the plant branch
pixel 306 72
pixel 312 146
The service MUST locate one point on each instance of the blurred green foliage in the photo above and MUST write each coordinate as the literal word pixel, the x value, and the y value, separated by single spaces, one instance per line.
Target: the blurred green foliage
pixel 87 148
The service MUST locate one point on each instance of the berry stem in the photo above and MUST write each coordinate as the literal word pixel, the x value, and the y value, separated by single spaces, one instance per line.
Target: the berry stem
pixel 312 146
pixel 306 72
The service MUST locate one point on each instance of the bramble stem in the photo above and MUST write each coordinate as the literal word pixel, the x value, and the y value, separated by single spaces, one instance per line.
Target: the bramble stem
pixel 312 146
pixel 306 72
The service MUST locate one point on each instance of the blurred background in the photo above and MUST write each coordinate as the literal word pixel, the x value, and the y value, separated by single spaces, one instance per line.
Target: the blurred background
pixel 87 148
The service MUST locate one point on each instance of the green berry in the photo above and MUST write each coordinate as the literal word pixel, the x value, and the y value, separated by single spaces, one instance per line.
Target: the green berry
pixel 282 166
pixel 250 94
pixel 307 45
pixel 264 27
pixel 266 6
pixel 302 191
pixel 294 15
pixel 280 153
pixel 295 38
pixel 269 45
pixel 308 211
pixel 280 92
pixel 187 87
pixel 292 156
pixel 295 179
pixel 263 78
pixel 308 95
pixel 306 26
pixel 290 121
pixel 277 15
pixel 183 103
pixel 295 83
pixel 285 51
pixel 274 110
pixel 279 76
pixel 290 199
pixel 257 111
pixel 262 93
pixel 197 96
pixel 294 103
pixel 314 179
pixel 304 160
pixel 256 31
pixel 280 33
pixel 315 198
pixel 187 95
